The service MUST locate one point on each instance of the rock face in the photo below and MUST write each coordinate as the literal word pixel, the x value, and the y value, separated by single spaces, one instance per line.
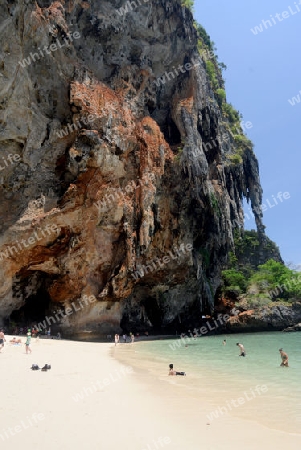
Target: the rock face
pixel 296 327
pixel 250 252
pixel 107 169
pixel 274 318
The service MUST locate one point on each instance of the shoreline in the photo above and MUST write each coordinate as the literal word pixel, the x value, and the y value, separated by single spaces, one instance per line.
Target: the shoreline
pixel 156 337
pixel 178 387
pixel 90 398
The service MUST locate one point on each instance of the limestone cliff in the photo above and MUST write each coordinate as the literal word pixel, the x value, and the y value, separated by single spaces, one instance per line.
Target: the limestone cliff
pixel 268 318
pixel 107 168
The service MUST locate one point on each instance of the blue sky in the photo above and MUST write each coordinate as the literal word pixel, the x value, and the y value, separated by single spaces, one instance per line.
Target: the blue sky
pixel 263 73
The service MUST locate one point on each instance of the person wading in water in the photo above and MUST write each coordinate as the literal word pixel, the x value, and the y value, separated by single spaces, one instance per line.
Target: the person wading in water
pixel 284 358
pixel 242 349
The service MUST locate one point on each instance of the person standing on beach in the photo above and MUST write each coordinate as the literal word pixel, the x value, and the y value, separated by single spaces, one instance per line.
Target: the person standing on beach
pixel 242 349
pixel 124 338
pixel 284 357
pixel 132 338
pixel 27 343
pixel 2 340
pixel 116 339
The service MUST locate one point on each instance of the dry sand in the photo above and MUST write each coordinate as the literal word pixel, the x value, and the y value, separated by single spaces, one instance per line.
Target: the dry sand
pixel 92 401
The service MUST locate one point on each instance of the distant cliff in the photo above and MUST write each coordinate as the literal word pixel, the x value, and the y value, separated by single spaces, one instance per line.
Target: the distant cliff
pixel 268 318
pixel 123 173
pixel 250 251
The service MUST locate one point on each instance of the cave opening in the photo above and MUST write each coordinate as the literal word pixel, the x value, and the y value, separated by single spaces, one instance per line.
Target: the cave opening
pixel 31 290
pixel 171 133
pixel 34 310
pixel 153 312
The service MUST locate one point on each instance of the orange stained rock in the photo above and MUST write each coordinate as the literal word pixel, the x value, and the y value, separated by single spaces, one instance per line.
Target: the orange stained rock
pixel 187 103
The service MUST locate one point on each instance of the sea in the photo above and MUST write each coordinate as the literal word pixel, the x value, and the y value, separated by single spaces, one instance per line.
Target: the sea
pixel 253 387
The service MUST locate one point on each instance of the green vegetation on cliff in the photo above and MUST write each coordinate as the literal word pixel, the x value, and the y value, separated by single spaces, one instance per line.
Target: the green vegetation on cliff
pixel 255 271
pixel 263 283
pixel 232 117
pixel 188 3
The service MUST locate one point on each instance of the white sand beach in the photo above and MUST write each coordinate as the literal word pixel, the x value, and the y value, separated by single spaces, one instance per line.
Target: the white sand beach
pixel 91 400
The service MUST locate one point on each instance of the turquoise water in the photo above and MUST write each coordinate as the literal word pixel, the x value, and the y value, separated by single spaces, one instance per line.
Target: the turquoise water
pixel 217 373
